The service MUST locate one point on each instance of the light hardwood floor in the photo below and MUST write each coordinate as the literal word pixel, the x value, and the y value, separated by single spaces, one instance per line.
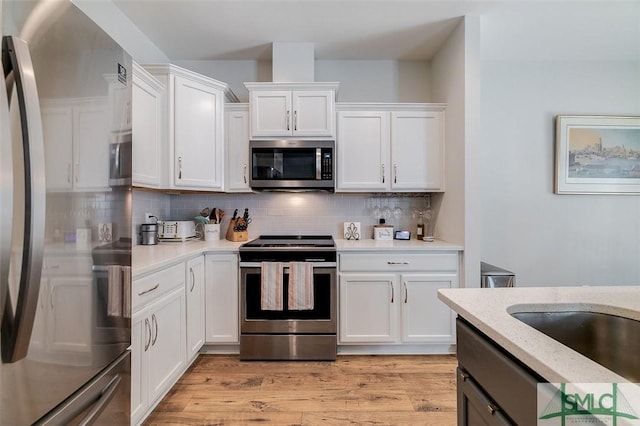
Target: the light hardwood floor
pixel 354 390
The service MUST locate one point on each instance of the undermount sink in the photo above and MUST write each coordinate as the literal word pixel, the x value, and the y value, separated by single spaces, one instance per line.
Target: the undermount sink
pixel 609 340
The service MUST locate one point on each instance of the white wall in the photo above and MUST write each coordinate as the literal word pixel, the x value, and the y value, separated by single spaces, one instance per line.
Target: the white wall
pixel 122 30
pixel 549 239
pixel 454 81
pixel 360 81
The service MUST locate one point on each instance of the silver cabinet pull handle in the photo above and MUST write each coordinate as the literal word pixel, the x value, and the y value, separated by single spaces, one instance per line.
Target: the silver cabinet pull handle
pixel 406 292
pixel 147 327
pixel 395 173
pixel 397 263
pixel 392 293
pixel 69 173
pixel 155 335
pixel 288 120
pixel 193 279
pixel 383 173
pixel 179 167
pixel 149 290
pixel 244 173
pixel 77 171
pixel 295 120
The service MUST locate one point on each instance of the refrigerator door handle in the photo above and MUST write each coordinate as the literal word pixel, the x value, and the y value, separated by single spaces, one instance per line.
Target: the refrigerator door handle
pixel 17 326
pixel 106 396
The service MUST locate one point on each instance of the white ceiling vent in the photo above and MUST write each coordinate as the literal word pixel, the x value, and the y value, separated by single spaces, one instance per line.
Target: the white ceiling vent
pixel 293 62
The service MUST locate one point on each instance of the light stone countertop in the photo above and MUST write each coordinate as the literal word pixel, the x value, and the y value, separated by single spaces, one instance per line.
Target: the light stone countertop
pixel 146 259
pixel 488 309
pixel 378 245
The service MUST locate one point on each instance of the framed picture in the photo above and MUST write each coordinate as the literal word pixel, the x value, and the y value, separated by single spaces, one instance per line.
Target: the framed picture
pixel 597 155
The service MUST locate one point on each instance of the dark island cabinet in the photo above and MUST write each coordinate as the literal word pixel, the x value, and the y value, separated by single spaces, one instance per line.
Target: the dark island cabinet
pixel 494 388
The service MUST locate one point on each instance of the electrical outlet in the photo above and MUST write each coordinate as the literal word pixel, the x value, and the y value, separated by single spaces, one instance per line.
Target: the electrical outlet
pixel 147 217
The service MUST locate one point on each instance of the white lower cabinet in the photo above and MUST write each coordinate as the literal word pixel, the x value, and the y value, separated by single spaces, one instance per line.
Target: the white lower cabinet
pixel 195 306
pixel 391 298
pixel 221 295
pixel 158 341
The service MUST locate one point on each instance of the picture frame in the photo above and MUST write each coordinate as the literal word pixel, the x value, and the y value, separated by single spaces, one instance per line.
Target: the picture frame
pixel 597 155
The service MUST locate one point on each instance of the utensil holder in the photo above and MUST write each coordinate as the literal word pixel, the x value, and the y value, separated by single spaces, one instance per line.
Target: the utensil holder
pixel 211 231
pixel 236 236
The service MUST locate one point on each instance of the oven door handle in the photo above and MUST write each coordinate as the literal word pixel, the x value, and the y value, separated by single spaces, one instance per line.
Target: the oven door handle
pixel 315 265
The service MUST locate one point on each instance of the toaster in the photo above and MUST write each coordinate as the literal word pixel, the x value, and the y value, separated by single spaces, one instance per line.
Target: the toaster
pixel 176 230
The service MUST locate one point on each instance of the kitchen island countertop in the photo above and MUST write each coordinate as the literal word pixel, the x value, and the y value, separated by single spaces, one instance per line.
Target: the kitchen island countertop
pixel 489 310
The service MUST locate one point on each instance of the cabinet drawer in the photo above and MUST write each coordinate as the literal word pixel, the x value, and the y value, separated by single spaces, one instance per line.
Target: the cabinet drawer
pixel 66 266
pixel 148 288
pixel 399 262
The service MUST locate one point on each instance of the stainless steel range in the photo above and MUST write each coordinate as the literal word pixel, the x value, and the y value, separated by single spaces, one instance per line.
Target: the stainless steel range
pixel 288 294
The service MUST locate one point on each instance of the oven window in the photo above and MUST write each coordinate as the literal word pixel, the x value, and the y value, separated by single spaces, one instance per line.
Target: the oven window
pixel 278 164
pixel 321 294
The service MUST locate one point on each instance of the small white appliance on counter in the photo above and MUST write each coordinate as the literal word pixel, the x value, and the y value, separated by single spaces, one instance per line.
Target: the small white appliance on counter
pixel 176 230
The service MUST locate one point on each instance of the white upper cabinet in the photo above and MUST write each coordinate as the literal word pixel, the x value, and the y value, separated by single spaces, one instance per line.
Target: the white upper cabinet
pixel 76 140
pixel 292 110
pixel 194 127
pixel 237 147
pixel 147 128
pixel 390 147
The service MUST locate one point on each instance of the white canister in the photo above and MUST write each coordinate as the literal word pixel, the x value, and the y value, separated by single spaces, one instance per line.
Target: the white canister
pixel 211 231
pixel 383 232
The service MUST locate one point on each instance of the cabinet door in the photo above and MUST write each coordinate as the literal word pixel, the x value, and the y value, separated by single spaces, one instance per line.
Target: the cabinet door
pixel 237 139
pixel 195 306
pixel 474 406
pixel 57 130
pixel 167 352
pixel 270 113
pixel 417 151
pixel 140 344
pixel 369 308
pixel 198 154
pixel 146 122
pixel 363 151
pixel 69 321
pixel 221 295
pixel 312 113
pixel 91 146
pixel 424 318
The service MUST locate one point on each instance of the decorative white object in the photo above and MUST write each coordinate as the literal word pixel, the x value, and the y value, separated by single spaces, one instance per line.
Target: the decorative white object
pixel 352 230
pixel 83 236
pixel 211 231
pixel 105 232
pixel 383 232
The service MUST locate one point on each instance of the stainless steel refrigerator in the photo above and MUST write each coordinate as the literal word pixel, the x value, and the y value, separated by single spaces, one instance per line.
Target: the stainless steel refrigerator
pixel 65 218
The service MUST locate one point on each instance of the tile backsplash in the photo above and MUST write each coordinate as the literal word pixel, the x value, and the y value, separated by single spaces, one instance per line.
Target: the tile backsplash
pixel 287 213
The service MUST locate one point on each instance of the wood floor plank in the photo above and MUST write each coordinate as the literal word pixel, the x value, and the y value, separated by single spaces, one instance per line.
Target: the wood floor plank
pixel 353 390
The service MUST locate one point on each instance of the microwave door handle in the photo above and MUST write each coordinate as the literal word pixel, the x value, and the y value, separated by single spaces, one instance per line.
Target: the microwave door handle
pixel 118 163
pixel 17 326
pixel 318 163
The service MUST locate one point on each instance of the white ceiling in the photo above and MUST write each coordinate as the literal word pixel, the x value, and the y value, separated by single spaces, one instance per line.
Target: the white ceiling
pixel 386 29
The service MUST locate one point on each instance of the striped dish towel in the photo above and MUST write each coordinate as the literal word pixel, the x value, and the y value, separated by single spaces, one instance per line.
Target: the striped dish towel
pixel 300 286
pixel 271 286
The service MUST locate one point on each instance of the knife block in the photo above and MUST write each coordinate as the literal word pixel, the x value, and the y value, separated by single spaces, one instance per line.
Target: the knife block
pixel 236 236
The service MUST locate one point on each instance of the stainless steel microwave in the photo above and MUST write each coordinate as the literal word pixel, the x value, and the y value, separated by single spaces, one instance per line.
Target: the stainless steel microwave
pixel 292 165
pixel 120 161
